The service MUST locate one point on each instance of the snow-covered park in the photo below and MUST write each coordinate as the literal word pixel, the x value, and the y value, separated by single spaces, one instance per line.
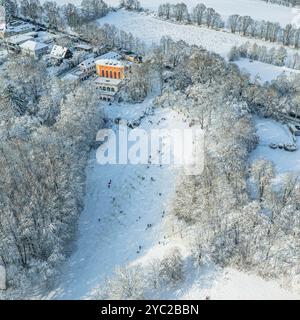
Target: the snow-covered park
pixel 128 217
pixel 120 203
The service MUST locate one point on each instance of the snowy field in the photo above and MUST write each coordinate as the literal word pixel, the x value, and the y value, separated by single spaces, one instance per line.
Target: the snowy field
pixel 230 284
pixel 151 30
pixel 270 131
pixel 264 71
pixel 257 9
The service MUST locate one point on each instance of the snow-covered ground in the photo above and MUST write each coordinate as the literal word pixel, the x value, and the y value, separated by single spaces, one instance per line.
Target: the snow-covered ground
pixel 150 30
pixel 265 71
pixel 114 222
pixel 231 284
pixel 270 131
pixel 257 9
pixel 120 202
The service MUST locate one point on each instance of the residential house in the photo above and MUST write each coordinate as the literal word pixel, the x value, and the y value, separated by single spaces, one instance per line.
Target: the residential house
pixel 111 75
pixel 113 69
pixel 112 55
pixel 88 66
pixel 59 53
pixel 108 88
pixel 13 43
pixel 34 48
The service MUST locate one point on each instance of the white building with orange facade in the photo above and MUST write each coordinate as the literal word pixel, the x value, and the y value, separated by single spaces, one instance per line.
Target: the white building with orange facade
pixel 111 74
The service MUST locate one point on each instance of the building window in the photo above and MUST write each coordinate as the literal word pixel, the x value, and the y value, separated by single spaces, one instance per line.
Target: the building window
pixel 106 73
pixel 119 75
pixel 115 75
pixel 103 73
pixel 111 74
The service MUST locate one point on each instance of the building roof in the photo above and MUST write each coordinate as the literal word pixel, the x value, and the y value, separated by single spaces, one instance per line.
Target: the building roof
pixel 109 62
pixel 88 63
pixel 58 52
pixel 19 39
pixel 21 28
pixel 107 81
pixel 33 45
pixel 111 55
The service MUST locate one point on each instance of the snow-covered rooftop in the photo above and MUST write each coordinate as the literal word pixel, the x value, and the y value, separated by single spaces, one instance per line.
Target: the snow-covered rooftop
pixel 107 81
pixel 111 55
pixel 33 45
pixel 88 63
pixel 110 62
pixel 58 52
pixel 19 28
pixel 19 39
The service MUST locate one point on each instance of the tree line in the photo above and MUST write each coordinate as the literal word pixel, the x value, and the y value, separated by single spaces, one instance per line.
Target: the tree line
pixel 244 25
pixel 200 15
pixel 287 3
pixel 47 130
pixel 275 56
pixel 234 213
pixel 51 14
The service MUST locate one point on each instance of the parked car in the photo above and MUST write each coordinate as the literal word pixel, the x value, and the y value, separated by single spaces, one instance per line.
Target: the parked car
pixel 273 146
pixel 290 147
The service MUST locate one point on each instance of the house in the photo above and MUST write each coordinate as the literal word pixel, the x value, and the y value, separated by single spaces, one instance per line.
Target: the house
pixel 88 66
pixel 112 55
pixel 13 43
pixel 59 53
pixel 15 28
pixel 34 48
pixel 111 75
pixel 134 58
pixel 113 69
pixel 107 88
